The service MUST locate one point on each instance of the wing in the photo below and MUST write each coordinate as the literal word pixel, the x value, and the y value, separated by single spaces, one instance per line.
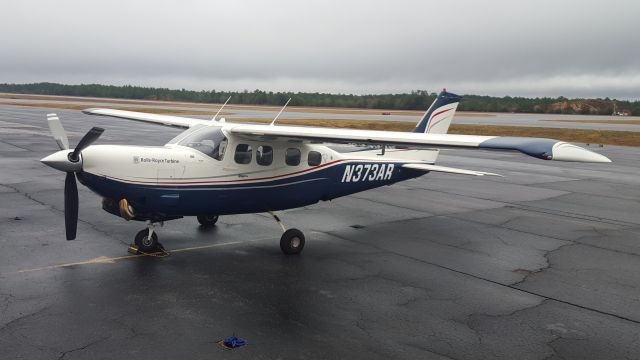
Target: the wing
pixel 547 149
pixel 166 120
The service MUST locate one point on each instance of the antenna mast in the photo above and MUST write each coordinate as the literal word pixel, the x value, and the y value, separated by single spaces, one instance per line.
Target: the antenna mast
pixel 281 110
pixel 221 107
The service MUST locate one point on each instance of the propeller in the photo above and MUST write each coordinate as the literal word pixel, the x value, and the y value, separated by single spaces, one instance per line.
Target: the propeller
pixel 60 136
pixel 86 140
pixel 70 205
pixel 69 162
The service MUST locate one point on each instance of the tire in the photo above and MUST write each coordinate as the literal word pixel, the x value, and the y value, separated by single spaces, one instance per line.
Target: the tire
pixel 207 220
pixel 292 242
pixel 145 244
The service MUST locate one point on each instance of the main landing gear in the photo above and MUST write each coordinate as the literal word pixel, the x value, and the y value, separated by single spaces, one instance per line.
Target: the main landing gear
pixel 207 220
pixel 292 240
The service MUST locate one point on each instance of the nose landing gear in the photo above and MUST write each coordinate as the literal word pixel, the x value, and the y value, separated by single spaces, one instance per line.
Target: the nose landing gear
pixel 146 240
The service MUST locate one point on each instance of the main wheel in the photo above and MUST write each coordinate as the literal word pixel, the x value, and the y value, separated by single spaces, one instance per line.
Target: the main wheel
pixel 292 241
pixel 145 243
pixel 207 220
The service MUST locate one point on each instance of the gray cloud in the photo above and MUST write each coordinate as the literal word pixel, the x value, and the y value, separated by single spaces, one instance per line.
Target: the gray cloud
pixel 498 47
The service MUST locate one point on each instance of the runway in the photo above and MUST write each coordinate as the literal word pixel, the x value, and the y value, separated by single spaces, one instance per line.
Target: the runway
pixel 244 112
pixel 543 263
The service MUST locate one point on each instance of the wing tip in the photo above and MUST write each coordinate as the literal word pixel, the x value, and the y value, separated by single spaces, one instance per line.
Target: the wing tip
pixel 563 151
pixel 90 111
pixel 546 149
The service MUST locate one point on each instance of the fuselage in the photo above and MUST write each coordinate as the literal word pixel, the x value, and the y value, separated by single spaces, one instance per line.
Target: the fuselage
pixel 204 171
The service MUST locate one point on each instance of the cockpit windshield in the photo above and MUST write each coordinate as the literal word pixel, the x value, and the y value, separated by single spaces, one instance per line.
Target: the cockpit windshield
pixel 209 140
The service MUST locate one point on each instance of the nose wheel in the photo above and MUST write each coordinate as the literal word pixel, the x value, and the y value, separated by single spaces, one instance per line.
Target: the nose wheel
pixel 147 240
pixel 146 243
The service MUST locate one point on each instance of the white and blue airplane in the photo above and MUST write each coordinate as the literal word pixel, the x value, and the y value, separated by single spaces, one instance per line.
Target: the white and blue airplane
pixel 218 168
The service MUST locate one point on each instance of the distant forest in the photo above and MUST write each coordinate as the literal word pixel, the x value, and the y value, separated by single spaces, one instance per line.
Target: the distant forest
pixel 416 100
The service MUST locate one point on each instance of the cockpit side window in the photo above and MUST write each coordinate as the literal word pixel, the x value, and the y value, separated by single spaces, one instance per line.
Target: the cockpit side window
pixel 209 140
pixel 221 149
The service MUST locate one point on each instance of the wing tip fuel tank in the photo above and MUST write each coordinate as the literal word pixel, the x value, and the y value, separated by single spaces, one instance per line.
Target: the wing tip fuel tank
pixel 563 151
pixel 547 149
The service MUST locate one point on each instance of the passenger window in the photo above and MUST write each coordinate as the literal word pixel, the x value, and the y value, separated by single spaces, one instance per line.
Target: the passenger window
pixel 314 158
pixel 292 157
pixel 243 154
pixel 264 155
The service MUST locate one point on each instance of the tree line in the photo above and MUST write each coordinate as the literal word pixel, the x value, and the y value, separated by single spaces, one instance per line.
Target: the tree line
pixel 415 100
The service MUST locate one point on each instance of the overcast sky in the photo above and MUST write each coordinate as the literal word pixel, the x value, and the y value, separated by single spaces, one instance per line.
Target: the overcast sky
pixel 495 47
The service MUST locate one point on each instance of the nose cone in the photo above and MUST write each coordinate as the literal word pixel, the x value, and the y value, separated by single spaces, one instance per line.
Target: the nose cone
pixel 60 161
pixel 563 151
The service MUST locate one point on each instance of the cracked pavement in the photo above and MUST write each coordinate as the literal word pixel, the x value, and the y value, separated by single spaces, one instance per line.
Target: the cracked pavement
pixel 541 264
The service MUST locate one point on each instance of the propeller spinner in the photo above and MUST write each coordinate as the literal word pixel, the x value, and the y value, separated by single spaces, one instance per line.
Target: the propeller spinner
pixel 69 162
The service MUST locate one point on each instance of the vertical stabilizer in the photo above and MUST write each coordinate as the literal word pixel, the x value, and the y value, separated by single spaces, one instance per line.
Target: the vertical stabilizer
pixel 439 115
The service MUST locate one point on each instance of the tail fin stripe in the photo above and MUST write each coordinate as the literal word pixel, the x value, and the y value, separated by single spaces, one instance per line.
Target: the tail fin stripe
pixel 432 122
pixel 437 122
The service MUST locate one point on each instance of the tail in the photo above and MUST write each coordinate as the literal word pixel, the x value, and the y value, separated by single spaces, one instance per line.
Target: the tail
pixel 438 118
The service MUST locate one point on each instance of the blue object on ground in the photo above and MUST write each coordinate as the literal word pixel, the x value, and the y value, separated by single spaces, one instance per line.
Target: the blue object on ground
pixel 234 342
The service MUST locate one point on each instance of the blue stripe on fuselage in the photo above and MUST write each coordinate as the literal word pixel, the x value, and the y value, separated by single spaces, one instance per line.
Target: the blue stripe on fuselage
pixel 157 201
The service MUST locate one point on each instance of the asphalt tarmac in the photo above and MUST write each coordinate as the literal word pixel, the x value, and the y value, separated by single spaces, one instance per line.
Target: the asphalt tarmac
pixel 541 264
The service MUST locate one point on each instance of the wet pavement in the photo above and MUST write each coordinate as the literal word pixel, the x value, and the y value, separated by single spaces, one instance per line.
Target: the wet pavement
pixel 541 264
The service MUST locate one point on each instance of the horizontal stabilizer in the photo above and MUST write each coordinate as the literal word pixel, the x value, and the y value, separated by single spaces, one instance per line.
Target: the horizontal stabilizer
pixel 449 170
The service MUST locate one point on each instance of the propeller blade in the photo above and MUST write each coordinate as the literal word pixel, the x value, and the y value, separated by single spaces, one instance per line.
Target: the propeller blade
pixel 70 205
pixel 86 140
pixel 55 126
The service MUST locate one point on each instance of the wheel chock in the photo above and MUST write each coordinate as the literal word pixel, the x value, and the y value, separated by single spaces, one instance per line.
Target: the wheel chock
pixel 132 249
pixel 160 251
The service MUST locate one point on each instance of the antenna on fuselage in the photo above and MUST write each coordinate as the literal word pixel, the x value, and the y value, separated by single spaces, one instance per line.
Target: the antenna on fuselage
pixel 281 110
pixel 221 107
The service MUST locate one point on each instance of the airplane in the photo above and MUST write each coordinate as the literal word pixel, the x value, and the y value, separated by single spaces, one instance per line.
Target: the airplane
pixel 217 168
